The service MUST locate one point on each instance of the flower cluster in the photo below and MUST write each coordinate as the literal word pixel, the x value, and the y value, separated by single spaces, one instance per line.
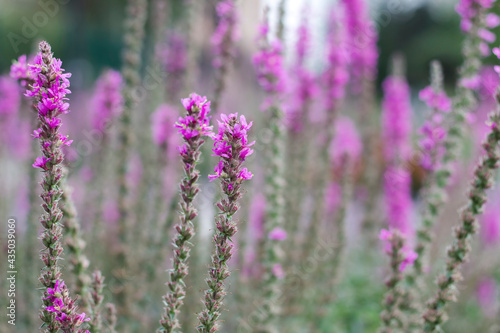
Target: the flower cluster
pixel 193 127
pixel 468 9
pixel 336 74
pixel 396 118
pixel 269 65
pixel 226 33
pixel 396 126
pixel 231 144
pixel 49 88
pixel 64 308
pixel 196 123
pixel 107 102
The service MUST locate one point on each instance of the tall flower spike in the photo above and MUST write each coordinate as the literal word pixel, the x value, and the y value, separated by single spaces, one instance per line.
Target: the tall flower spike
pixel 400 257
pixel 435 313
pixel 432 150
pixel 232 147
pixel 49 90
pixel 133 44
pixel 334 80
pixel 223 40
pixel 396 125
pixel 193 127
pixel 270 73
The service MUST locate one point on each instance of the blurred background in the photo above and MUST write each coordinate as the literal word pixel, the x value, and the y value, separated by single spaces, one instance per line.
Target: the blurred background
pixel 88 35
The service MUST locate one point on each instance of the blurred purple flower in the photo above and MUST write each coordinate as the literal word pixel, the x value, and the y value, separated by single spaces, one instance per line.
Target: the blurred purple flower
pixel 278 271
pixel 278 234
pixel 162 127
pixel 336 74
pixel 198 122
pixel 396 118
pixel 107 101
pixel 225 34
pixel 10 98
pixel 346 143
pixel 269 65
pixel 487 296
pixel 303 87
pixel 362 46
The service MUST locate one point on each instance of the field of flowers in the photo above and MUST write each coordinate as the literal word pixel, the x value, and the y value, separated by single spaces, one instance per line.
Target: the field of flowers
pixel 294 181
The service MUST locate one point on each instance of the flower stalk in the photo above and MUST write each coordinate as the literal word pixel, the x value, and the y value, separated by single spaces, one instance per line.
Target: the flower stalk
pixel 435 313
pixel 193 127
pixel 232 147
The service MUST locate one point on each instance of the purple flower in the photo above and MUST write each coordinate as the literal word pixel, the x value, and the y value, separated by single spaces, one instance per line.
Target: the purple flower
pixel 396 128
pixel 486 35
pixel 37 133
pixel 196 123
pixel 437 100
pixel 226 33
pixel 492 20
pixel 107 101
pixel 231 143
pixel 53 122
pixel 278 234
pixel 64 308
pixel 41 162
